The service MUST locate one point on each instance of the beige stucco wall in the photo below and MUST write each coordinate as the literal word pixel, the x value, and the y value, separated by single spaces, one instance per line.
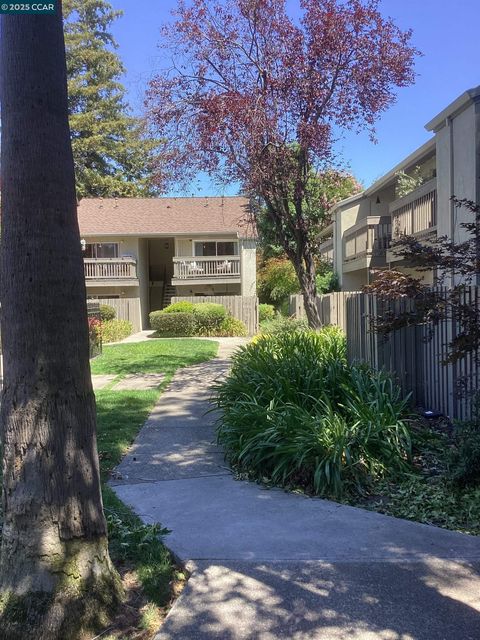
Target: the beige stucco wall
pixel 248 266
pixel 143 277
pixel 107 292
pixel 232 289
pixel 456 171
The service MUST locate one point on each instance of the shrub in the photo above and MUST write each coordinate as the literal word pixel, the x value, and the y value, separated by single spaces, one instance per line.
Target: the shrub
pixel 107 312
pixel 464 458
pixel 295 413
pixel 208 317
pixel 116 330
pixel 327 282
pixel 232 327
pixel 169 325
pixel 179 307
pixel 95 336
pixel 277 280
pixel 266 312
pixel 281 324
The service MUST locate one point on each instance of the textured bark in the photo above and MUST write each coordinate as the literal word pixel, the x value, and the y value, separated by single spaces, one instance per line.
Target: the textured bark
pixel 309 292
pixel 54 543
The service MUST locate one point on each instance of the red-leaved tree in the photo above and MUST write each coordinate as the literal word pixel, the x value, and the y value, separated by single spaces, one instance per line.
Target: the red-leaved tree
pixel 257 97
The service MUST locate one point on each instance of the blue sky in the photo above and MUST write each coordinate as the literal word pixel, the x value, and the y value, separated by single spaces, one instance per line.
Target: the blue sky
pixel 445 32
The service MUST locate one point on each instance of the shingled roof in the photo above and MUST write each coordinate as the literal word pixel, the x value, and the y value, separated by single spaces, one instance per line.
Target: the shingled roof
pixel 165 216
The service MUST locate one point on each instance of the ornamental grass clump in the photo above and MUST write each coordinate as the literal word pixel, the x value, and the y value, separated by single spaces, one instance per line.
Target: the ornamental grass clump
pixel 294 413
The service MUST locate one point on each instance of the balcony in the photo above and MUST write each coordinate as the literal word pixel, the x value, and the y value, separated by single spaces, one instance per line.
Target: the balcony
pixel 414 215
pixel 365 244
pixel 207 270
pixel 326 251
pixel 110 271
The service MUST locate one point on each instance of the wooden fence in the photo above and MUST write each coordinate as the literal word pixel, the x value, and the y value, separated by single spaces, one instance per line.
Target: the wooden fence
pixel 126 309
pixel 244 308
pixel 415 355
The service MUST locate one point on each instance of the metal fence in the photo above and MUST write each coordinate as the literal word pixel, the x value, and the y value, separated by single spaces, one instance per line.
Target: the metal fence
pixel 414 355
pixel 244 308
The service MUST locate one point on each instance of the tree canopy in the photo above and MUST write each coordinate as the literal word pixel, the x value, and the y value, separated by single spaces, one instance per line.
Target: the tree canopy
pixel 257 97
pixel 113 155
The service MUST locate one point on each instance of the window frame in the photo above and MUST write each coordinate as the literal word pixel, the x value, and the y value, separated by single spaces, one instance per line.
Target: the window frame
pixel 216 243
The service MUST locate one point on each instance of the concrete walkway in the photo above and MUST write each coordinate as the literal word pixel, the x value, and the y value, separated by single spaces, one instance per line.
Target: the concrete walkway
pixel 266 564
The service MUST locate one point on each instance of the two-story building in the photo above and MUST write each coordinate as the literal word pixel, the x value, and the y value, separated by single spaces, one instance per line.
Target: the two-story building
pixel 358 240
pixel 146 250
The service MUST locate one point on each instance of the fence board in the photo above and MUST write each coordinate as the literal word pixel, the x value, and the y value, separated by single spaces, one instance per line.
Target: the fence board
pixel 414 355
pixel 126 309
pixel 244 308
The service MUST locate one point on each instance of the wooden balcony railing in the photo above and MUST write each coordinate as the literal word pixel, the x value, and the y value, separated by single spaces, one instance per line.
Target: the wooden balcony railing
pixel 196 268
pixel 326 250
pixel 416 213
pixel 370 237
pixel 110 268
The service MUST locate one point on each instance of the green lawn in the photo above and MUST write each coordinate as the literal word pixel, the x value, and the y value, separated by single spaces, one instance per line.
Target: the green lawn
pixel 156 356
pixel 120 415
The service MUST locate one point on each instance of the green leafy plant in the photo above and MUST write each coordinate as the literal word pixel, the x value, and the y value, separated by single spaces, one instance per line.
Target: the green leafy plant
pixel 231 327
pixel 107 312
pixel 173 324
pixel 282 324
pixel 116 330
pixel 464 458
pixel 208 318
pixel 406 183
pixel 327 282
pixel 294 413
pixel 266 312
pixel 179 307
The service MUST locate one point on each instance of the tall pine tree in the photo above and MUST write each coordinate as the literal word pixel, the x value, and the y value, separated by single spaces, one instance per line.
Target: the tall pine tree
pixel 111 151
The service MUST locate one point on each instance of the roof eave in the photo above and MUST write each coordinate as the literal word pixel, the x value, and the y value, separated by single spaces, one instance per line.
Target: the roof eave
pixel 454 109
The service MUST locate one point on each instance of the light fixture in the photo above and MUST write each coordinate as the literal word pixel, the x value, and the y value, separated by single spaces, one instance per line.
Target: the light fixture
pixel 83 242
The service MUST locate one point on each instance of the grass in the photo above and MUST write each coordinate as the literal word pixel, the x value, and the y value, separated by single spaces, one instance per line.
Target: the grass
pixel 156 356
pixel 150 576
pixel 120 415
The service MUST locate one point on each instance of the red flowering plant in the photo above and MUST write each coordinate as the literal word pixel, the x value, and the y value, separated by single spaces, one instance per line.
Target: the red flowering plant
pixel 95 335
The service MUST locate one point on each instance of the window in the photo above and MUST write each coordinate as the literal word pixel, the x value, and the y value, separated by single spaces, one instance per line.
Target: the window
pixel 221 248
pixel 101 250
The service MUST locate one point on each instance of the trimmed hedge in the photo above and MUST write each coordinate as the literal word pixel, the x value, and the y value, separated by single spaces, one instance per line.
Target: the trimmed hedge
pixel 179 307
pixel 183 319
pixel 208 317
pixel 170 325
pixel 116 330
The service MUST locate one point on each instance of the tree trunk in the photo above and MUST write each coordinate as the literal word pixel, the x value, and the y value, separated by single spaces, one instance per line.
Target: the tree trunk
pixel 55 572
pixel 309 292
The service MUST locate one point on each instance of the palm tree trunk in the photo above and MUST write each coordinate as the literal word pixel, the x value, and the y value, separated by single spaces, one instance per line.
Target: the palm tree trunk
pixel 55 573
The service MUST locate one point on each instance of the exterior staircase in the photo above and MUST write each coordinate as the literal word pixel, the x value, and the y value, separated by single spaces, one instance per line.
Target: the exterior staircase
pixel 168 292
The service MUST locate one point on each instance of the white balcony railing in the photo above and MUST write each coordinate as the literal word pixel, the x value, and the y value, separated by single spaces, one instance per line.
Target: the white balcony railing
pixel 110 268
pixel 196 268
pixel 370 237
pixel 416 213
